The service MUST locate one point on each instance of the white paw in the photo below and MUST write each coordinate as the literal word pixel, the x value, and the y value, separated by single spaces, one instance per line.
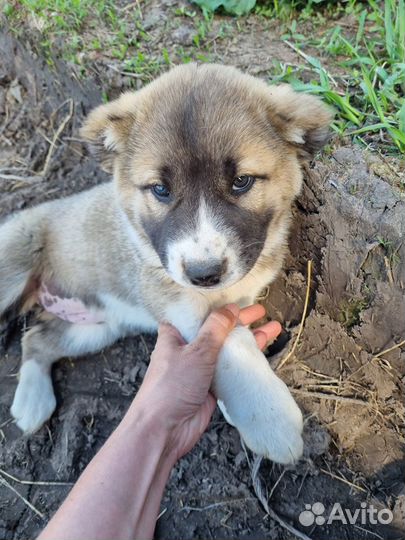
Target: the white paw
pixel 256 401
pixel 271 423
pixel 34 400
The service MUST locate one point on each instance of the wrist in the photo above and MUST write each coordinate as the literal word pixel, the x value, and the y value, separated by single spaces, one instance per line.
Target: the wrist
pixel 142 416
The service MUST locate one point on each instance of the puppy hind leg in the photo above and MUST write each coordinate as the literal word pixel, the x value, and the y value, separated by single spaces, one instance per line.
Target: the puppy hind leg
pixel 34 400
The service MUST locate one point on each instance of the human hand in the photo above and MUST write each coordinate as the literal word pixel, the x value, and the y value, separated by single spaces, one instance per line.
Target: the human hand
pixel 177 382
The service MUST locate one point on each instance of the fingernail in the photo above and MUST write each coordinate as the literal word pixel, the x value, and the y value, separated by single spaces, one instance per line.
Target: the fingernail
pixel 233 308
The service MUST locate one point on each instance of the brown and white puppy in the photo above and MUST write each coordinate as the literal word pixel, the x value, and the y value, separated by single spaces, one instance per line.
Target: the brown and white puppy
pixel 206 162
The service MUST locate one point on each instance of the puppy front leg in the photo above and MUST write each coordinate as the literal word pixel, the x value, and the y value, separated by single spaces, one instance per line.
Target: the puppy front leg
pixel 256 401
pixel 249 393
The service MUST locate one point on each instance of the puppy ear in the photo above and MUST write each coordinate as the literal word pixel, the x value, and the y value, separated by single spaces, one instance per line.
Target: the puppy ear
pixel 300 119
pixel 108 127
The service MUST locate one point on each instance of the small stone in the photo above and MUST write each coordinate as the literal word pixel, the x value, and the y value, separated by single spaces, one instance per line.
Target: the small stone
pixel 183 35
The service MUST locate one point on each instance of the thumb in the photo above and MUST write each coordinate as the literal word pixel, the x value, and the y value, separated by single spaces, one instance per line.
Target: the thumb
pixel 169 337
pixel 216 328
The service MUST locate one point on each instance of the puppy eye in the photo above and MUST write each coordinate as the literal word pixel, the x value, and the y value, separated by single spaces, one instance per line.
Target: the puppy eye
pixel 242 184
pixel 161 192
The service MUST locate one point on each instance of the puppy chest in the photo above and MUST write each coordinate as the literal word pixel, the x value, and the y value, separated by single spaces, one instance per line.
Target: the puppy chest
pixel 124 315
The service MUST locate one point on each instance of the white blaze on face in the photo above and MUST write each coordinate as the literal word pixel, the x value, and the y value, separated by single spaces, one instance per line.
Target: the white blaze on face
pixel 208 242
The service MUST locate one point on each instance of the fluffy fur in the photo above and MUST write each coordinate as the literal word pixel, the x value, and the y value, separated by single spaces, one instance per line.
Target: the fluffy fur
pixel 133 256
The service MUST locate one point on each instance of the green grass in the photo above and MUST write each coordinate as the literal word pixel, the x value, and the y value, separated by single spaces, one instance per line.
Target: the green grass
pixel 76 30
pixel 390 251
pixel 64 22
pixel 359 70
pixel 350 311
pixel 368 94
pixel 369 97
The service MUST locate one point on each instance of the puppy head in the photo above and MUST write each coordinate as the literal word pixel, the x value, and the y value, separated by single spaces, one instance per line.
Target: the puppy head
pixel 207 163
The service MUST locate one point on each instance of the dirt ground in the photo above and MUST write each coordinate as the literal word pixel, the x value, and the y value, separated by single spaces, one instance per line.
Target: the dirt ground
pixel 350 221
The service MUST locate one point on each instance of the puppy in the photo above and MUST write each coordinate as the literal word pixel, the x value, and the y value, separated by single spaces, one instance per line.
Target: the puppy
pixel 206 162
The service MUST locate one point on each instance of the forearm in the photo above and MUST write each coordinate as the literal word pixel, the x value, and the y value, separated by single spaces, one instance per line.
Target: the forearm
pixel 118 495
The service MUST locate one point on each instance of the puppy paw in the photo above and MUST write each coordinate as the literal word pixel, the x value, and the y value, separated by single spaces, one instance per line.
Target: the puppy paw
pixel 269 421
pixel 34 400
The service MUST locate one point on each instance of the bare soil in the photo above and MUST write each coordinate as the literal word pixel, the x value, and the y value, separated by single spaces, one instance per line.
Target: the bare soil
pixel 350 221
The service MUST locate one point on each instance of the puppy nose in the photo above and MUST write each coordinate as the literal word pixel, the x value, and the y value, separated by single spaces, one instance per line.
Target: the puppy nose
pixel 205 273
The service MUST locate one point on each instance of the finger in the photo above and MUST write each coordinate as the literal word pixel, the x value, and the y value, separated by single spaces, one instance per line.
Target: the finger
pixel 169 337
pixel 216 328
pixel 267 333
pixel 250 314
pixel 261 339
